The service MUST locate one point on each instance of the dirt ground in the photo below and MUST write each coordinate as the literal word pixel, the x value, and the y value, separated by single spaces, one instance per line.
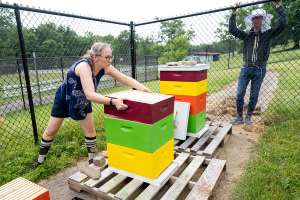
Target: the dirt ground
pixel 237 151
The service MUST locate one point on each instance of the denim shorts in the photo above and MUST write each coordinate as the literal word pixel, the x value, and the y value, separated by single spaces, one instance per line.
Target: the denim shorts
pixel 60 109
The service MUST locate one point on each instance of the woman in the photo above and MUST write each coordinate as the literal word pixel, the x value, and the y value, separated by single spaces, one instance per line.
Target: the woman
pixel 74 96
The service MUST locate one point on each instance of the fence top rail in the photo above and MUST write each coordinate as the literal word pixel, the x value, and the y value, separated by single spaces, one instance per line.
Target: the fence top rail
pixel 202 13
pixel 38 10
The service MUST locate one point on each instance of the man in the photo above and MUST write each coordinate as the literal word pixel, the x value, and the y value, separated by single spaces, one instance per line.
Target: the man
pixel 257 37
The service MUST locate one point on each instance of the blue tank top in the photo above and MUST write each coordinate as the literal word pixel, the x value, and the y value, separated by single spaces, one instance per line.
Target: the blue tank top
pixel 72 95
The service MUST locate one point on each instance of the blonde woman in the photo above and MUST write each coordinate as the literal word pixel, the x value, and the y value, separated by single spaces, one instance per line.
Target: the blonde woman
pixel 74 96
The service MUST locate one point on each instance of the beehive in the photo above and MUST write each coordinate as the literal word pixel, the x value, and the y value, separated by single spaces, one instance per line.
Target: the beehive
pixel 140 139
pixel 188 84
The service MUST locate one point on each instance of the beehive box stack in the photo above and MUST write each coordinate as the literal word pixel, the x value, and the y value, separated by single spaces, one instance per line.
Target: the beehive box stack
pixel 140 139
pixel 189 84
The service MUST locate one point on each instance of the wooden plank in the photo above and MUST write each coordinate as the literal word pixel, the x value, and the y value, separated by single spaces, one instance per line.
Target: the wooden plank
pixel 149 192
pixel 205 185
pixel 184 178
pixel 211 148
pixel 104 174
pixel 200 133
pixel 78 177
pixel 160 180
pixel 203 139
pixel 75 185
pixel 187 143
pixel 111 184
pixel 22 189
pixel 10 187
pixel 152 190
pixel 91 170
pixel 190 183
pixel 129 189
pixel 75 181
pixel 176 142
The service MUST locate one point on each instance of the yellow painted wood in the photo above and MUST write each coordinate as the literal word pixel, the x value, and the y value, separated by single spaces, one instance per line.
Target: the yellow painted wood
pixel 149 165
pixel 183 88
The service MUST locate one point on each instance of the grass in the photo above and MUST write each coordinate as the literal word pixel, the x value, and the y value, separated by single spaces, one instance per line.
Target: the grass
pixel 274 173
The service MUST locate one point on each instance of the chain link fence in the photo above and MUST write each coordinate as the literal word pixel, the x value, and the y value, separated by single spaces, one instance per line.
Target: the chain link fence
pixel 32 67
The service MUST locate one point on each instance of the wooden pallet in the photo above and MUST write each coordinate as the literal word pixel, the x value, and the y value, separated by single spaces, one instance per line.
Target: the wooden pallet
pixel 194 178
pixel 207 144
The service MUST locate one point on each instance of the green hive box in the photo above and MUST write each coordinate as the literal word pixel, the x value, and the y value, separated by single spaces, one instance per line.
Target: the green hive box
pixel 196 122
pixel 136 135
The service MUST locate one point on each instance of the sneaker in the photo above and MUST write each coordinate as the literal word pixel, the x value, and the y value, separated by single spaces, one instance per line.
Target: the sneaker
pixel 248 120
pixel 35 164
pixel 238 120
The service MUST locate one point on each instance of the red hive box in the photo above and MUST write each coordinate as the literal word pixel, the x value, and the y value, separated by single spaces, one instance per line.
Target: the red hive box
pixel 184 76
pixel 142 106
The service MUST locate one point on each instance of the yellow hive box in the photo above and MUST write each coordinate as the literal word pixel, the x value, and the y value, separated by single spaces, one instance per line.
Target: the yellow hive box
pixel 183 88
pixel 149 165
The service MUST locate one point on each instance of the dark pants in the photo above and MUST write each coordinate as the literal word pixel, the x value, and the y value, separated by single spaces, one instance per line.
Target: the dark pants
pixel 256 76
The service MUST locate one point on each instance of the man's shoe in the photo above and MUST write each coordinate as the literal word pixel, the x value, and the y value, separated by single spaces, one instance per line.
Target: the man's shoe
pixel 248 120
pixel 238 120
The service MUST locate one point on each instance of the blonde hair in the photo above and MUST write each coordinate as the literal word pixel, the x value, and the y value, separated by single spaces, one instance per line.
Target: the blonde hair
pixel 96 49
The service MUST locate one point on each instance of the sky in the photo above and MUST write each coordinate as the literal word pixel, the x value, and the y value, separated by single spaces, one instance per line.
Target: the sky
pixel 130 10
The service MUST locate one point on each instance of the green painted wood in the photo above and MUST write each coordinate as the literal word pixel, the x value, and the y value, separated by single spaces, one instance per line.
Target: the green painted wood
pixel 136 135
pixel 196 122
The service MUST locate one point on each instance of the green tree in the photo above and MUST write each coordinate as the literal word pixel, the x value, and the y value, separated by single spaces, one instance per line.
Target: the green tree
pixel 175 49
pixel 293 30
pixel 121 43
pixel 175 40
pixel 8 34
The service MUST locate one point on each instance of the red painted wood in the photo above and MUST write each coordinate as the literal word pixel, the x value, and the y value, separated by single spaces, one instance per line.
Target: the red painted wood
pixel 143 107
pixel 44 196
pixel 185 76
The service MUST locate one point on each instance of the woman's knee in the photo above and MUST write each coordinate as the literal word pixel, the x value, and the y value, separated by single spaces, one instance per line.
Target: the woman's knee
pixel 50 132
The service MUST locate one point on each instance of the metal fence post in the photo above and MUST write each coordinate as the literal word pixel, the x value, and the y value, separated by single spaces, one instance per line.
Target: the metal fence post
pixel 132 50
pixel 157 62
pixel 26 73
pixel 62 67
pixel 145 68
pixel 21 84
pixel 114 63
pixel 229 51
pixel 37 77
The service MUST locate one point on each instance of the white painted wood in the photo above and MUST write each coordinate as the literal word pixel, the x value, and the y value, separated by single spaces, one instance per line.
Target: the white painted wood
pixel 197 67
pixel 181 112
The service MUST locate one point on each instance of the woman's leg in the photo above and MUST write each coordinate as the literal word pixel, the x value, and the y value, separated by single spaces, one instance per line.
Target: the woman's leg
pixel 50 132
pixel 89 130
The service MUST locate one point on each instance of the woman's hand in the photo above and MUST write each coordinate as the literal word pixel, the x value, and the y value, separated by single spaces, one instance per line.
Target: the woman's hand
pixel 277 3
pixel 118 103
pixel 234 8
pixel 145 89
